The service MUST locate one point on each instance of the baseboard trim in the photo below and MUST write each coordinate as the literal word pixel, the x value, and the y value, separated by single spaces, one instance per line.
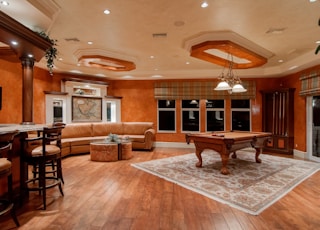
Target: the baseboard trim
pixel 173 144
pixel 300 154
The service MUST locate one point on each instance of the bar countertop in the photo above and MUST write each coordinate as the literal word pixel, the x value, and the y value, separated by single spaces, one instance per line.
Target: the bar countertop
pixel 21 128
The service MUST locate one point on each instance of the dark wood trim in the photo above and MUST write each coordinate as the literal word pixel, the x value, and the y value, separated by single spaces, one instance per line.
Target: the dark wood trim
pixel 199 51
pixel 85 81
pixel 114 97
pixel 55 93
pixel 29 41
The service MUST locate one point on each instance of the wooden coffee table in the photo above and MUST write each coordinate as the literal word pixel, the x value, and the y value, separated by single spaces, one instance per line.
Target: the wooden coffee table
pixel 110 151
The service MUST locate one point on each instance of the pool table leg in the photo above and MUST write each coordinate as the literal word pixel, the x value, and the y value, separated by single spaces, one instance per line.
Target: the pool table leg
pixel 224 159
pixel 198 154
pixel 258 151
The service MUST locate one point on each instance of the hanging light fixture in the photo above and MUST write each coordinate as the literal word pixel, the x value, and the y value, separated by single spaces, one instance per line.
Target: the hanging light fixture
pixel 230 82
pixel 193 102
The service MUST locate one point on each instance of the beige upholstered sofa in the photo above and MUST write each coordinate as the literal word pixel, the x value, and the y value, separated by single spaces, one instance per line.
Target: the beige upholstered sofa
pixel 76 137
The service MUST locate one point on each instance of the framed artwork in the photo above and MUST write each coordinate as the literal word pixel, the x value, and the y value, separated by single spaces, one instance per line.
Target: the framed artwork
pixel 86 109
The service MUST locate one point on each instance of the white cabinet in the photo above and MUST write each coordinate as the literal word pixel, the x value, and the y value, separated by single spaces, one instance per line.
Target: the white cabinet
pixel 59 105
pixel 56 107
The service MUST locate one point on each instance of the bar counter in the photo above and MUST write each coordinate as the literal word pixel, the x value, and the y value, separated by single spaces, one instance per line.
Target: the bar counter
pixel 19 171
pixel 21 128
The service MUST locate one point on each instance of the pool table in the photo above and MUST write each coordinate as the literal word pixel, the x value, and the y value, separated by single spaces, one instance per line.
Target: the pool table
pixel 226 142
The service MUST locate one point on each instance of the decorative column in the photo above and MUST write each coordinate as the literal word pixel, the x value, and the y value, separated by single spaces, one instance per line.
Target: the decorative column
pixel 27 90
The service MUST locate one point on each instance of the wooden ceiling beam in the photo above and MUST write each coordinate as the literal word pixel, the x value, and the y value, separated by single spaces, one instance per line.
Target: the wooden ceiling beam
pixel 28 41
pixel 228 47
pixel 107 63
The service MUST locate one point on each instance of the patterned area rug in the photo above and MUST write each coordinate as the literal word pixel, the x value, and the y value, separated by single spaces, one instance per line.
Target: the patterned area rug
pixel 250 187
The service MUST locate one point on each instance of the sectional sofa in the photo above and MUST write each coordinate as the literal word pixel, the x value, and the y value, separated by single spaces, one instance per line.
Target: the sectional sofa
pixel 76 137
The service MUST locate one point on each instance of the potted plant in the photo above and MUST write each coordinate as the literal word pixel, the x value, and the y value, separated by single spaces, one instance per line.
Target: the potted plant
pixel 51 53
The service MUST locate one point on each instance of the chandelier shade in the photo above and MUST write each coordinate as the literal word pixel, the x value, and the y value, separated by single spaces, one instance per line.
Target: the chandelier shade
pixel 238 88
pixel 223 85
pixel 230 82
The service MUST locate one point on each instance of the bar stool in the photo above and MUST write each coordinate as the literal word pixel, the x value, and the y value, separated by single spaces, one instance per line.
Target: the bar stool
pixel 7 205
pixel 49 150
pixel 52 163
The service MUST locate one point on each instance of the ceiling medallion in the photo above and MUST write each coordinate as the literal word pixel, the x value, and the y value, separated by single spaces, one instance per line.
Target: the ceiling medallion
pixel 252 59
pixel 107 63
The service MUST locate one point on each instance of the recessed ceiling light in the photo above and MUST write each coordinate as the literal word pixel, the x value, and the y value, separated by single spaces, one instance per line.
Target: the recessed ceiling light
pixel 14 43
pixel 127 77
pixel 204 4
pixel 75 71
pixel 151 56
pixel 106 11
pixel 30 55
pixel 312 0
pixel 318 42
pixel 280 61
pixel 275 30
pixel 100 75
pixel 90 43
pixel 179 23
pixel 187 63
pixel 293 67
pixel 5 3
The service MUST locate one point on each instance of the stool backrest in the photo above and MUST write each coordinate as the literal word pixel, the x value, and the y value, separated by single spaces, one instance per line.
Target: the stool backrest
pixel 52 134
pixel 6 139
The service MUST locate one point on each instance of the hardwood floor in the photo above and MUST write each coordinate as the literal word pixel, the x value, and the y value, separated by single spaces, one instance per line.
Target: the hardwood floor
pixel 115 195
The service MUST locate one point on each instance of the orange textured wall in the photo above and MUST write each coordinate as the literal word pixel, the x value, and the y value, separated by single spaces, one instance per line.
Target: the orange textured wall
pixel 300 119
pixel 138 103
pixel 42 82
pixel 11 83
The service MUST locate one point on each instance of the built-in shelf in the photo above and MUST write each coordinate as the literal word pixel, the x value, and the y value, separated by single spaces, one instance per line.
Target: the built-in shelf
pixel 85 81
pixel 113 97
pixel 278 119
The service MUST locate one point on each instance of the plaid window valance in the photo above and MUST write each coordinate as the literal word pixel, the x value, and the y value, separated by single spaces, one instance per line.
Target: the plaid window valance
pixel 199 90
pixel 310 84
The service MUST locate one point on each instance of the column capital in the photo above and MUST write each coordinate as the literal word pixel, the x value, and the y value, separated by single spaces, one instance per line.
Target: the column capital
pixel 27 61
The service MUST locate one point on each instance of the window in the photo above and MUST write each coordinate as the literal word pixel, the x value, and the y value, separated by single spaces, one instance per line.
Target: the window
pixel 215 115
pixel 190 115
pixel 240 115
pixel 166 115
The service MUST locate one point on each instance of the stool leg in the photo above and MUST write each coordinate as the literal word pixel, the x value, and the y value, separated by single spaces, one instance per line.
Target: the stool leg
pixel 59 169
pixel 42 182
pixel 10 193
pixel 59 174
pixel 34 170
pixel 14 217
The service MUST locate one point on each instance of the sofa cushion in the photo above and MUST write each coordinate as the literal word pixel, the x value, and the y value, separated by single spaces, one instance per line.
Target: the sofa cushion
pixel 79 149
pixel 137 138
pixel 65 143
pixel 104 129
pixel 79 141
pixel 77 130
pixel 136 128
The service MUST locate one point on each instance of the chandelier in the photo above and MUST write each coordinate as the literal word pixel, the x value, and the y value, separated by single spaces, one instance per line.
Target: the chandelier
pixel 230 82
